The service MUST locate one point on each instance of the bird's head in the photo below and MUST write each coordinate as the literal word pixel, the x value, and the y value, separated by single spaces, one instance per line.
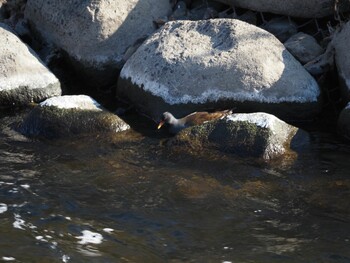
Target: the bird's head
pixel 166 118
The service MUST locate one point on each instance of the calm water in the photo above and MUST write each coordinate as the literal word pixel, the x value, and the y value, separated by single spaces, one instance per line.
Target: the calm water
pixel 131 199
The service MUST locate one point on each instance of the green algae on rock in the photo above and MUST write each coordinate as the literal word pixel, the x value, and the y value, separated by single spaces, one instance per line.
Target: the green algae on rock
pixel 249 135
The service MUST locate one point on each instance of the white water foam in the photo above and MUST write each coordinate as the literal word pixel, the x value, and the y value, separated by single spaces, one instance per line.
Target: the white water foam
pixel 19 222
pixel 65 258
pixel 8 258
pixel 3 208
pixel 90 237
pixel 108 230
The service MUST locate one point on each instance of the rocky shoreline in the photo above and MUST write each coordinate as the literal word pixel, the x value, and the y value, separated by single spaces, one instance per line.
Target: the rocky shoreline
pixel 274 60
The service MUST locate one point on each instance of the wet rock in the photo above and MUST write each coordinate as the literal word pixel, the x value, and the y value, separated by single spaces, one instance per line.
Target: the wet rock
pixel 65 116
pixel 23 76
pixel 190 66
pixel 342 58
pixel 297 8
pixel 303 47
pixel 249 135
pixel 344 122
pixel 281 27
pixel 95 34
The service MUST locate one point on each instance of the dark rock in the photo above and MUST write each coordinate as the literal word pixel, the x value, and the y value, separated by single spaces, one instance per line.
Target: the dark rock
pixel 281 27
pixel 341 42
pixel 344 122
pixel 303 47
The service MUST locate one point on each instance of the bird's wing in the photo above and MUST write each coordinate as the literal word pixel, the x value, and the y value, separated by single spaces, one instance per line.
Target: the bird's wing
pixel 200 117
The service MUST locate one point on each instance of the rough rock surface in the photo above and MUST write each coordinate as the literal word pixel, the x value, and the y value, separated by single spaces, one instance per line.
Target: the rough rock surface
pixel 222 63
pixel 65 116
pixel 23 76
pixel 342 58
pixel 95 34
pixel 303 47
pixel 297 8
pixel 344 122
pixel 253 135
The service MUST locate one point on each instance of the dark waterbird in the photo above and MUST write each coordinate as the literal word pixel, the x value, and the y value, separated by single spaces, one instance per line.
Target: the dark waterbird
pixel 195 118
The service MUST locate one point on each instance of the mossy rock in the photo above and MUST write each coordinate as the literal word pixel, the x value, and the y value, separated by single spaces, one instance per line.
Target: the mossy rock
pixel 54 121
pixel 241 136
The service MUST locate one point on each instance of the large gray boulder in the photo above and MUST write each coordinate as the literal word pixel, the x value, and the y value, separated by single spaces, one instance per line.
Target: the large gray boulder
pixel 65 116
pixel 297 8
pixel 95 34
pixel 340 43
pixel 222 63
pixel 344 122
pixel 23 76
pixel 250 135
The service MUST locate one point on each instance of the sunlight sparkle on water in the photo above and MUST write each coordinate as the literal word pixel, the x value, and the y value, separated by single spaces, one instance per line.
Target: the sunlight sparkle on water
pixel 8 258
pixel 90 237
pixel 3 208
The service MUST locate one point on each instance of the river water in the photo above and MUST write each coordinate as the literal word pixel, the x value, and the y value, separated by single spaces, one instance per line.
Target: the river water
pixel 129 198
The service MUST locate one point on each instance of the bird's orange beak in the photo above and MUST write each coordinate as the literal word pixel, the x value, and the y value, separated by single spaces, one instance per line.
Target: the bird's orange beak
pixel 161 123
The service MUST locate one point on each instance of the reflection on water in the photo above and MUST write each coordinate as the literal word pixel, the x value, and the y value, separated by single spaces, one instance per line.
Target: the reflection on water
pixel 131 199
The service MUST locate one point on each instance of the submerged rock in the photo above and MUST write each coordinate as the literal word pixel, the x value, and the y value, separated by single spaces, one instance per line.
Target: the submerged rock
pixel 250 135
pixel 298 8
pixel 24 78
pixel 95 34
pixel 189 66
pixel 342 58
pixel 344 122
pixel 64 116
pixel 303 47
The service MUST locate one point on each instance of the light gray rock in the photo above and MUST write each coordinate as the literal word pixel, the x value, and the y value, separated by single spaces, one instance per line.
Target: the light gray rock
pixel 303 47
pixel 222 63
pixel 66 116
pixel 23 76
pixel 340 43
pixel 344 122
pixel 95 34
pixel 253 135
pixel 297 8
